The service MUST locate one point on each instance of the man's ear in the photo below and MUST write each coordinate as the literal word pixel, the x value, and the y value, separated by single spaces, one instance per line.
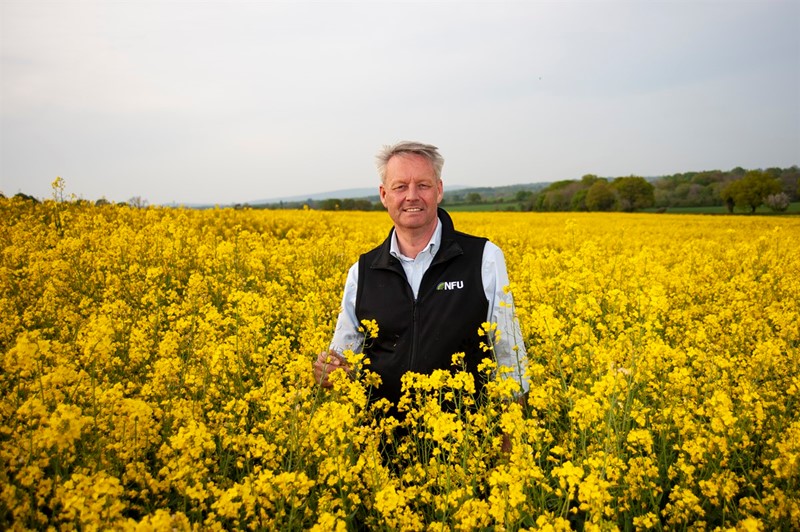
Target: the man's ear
pixel 382 193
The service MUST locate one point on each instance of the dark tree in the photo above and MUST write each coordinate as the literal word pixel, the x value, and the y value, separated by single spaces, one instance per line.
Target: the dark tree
pixel 751 190
pixel 634 193
pixel 600 197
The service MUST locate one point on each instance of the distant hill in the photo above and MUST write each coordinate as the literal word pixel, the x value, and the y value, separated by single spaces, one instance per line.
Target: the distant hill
pixel 345 193
pixel 370 193
pixel 493 192
pixel 455 193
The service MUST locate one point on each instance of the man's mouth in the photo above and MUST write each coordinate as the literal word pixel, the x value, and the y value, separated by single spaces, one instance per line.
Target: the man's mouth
pixel 414 209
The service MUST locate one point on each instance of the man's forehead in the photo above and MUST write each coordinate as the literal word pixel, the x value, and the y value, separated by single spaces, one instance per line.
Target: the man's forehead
pixel 403 158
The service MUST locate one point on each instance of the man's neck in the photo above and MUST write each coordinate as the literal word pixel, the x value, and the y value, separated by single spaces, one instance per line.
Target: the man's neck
pixel 411 242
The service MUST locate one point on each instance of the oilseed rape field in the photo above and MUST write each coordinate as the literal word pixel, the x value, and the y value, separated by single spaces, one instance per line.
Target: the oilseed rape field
pixel 156 374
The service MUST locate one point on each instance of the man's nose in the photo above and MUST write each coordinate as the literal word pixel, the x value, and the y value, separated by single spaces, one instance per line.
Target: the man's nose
pixel 412 192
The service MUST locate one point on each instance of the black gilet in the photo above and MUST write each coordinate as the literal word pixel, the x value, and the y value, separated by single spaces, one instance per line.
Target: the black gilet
pixel 422 335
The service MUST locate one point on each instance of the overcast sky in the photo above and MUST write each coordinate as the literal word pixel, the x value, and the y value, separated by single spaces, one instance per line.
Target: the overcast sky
pixel 223 102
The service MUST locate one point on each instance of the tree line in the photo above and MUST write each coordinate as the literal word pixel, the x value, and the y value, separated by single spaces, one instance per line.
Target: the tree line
pixel 738 188
pixel 735 189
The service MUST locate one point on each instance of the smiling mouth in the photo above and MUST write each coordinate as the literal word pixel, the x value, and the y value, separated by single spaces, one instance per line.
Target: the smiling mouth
pixel 414 209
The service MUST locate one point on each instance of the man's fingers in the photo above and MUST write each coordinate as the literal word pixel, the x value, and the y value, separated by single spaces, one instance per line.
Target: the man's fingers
pixel 327 362
pixel 330 357
pixel 321 375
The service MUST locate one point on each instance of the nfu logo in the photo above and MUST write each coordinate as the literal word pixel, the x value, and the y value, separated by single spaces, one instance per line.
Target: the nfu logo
pixel 450 285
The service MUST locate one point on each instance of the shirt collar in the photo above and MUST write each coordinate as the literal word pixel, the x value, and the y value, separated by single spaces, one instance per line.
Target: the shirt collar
pixel 433 245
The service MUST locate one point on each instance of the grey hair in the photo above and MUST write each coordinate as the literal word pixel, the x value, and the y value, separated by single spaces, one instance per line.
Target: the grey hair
pixel 431 153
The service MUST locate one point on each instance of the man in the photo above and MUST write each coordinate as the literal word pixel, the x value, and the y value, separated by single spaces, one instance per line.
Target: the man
pixel 428 286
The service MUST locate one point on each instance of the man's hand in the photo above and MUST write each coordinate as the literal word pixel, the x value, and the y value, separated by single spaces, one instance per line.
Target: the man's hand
pixel 327 362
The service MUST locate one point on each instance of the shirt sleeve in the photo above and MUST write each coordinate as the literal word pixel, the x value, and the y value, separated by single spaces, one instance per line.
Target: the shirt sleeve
pixel 509 349
pixel 346 336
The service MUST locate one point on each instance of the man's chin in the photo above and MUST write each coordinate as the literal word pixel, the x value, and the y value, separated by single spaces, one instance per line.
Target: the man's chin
pixel 414 215
pixel 415 220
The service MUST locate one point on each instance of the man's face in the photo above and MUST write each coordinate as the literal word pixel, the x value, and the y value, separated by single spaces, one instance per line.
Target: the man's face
pixel 411 192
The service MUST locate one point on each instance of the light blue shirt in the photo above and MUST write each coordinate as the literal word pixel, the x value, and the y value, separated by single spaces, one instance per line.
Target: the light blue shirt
pixel 509 350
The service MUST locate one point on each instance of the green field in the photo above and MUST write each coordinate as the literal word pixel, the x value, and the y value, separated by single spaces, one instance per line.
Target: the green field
pixel 483 207
pixel 794 208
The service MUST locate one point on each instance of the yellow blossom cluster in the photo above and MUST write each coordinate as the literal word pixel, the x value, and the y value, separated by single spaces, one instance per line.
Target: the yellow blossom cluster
pixel 156 374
